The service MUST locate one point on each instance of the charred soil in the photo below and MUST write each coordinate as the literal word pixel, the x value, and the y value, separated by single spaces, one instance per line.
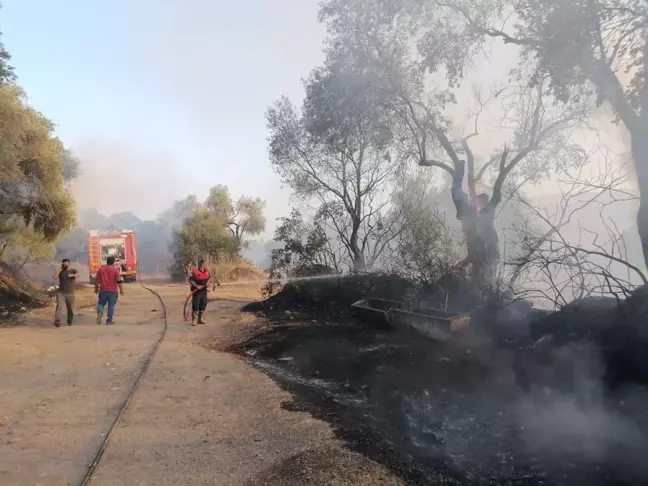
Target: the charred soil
pixel 441 412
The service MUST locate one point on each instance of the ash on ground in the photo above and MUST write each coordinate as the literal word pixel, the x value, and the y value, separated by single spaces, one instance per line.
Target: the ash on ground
pixel 445 413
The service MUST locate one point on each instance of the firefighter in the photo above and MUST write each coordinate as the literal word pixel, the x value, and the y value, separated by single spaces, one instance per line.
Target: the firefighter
pixel 199 281
pixel 478 222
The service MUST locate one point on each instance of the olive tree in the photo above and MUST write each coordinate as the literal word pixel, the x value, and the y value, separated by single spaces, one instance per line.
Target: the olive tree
pixel 381 42
pixel 243 218
pixel 340 151
pixel 427 247
pixel 583 49
pixel 215 230
pixel 35 206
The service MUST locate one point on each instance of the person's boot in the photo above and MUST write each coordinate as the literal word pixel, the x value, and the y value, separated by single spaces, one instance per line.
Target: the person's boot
pixel 193 318
pixel 99 317
pixel 200 318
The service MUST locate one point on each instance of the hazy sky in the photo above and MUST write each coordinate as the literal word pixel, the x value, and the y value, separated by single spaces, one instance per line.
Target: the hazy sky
pixel 162 98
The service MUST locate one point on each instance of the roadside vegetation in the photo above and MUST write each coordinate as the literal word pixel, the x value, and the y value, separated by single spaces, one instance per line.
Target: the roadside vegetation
pixel 35 204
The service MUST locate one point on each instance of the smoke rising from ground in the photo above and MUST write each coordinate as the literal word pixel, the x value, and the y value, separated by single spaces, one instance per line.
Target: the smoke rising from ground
pixel 495 432
pixel 589 424
pixel 563 425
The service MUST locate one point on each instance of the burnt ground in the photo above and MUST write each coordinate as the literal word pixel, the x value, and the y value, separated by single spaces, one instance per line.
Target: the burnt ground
pixel 440 413
pixel 17 296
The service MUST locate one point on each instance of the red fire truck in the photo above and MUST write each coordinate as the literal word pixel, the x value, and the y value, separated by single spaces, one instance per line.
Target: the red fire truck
pixel 119 244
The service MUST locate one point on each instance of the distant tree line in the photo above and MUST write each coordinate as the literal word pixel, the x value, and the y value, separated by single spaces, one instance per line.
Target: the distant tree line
pixel 188 231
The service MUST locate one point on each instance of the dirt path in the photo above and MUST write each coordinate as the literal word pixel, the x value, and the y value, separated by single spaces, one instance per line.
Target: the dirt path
pixel 200 416
pixel 60 388
pixel 206 417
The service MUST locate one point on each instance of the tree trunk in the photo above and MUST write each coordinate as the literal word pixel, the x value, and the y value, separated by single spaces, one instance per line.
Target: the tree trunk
pixel 612 90
pixel 359 262
pixel 640 156
pixel 483 263
pixel 357 254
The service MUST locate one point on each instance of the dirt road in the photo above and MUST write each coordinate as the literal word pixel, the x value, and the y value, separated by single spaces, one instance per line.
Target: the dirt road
pixel 200 416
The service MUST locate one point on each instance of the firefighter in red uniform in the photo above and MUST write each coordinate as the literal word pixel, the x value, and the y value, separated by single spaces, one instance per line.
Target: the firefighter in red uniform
pixel 199 280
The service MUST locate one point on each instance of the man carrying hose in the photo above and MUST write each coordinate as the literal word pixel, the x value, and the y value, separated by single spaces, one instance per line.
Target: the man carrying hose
pixel 199 280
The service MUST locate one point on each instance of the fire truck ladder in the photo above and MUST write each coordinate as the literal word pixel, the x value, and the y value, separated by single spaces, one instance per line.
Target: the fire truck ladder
pixel 94 250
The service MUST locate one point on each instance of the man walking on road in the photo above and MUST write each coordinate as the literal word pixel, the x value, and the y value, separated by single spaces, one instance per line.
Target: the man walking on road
pixel 65 292
pixel 107 282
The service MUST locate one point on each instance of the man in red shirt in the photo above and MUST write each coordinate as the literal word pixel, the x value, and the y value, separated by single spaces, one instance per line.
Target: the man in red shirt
pixel 107 282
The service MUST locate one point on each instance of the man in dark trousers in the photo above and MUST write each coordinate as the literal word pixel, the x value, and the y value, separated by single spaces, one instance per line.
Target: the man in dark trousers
pixel 66 277
pixel 478 223
pixel 107 282
pixel 199 280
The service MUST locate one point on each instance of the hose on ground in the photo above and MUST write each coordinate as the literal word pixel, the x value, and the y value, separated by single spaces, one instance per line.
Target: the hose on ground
pixel 92 467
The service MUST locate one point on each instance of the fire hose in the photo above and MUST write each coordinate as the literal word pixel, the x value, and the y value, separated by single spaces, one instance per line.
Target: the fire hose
pixel 187 315
pixel 92 467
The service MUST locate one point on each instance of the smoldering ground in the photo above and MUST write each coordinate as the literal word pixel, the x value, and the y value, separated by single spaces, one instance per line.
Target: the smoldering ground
pixel 443 413
pixel 586 424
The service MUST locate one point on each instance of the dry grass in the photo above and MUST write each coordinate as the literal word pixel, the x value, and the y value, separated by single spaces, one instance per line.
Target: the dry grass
pixel 229 269
pixel 17 294
pixel 9 283
pixel 233 291
pixel 237 291
pixel 41 273
pixel 229 291
pixel 85 298
pixel 155 278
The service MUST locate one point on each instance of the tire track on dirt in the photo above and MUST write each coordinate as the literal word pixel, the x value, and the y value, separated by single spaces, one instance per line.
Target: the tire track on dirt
pixel 129 398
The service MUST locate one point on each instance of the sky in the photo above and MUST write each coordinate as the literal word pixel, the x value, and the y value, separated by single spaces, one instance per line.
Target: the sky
pixel 164 98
